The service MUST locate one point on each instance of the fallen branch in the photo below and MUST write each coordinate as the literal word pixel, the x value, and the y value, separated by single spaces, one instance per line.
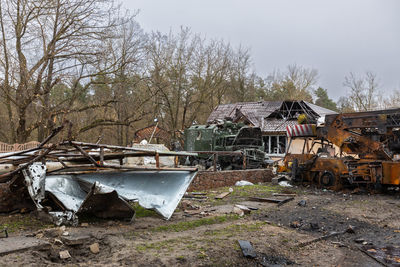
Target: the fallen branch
pixel 324 237
pixel 350 229
pixel 369 255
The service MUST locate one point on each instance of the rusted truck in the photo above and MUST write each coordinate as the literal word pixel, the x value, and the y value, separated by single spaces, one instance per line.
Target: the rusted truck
pixel 347 149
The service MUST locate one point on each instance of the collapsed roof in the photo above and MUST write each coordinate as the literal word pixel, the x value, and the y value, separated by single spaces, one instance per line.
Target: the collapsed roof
pixel 270 116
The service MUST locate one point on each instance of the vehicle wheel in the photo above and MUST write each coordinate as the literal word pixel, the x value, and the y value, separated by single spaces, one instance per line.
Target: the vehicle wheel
pixel 327 179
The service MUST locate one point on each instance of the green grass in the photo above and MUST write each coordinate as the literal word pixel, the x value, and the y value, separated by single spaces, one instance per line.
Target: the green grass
pixel 248 191
pixel 141 212
pixel 235 229
pixel 188 225
pixel 18 222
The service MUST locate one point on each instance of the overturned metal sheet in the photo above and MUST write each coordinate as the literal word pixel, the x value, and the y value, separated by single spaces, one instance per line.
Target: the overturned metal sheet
pixel 104 194
pixel 158 190
pixel 66 191
pixel 104 202
pixel 101 201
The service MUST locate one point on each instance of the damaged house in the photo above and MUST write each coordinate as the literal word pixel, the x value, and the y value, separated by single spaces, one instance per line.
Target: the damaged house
pixel 273 117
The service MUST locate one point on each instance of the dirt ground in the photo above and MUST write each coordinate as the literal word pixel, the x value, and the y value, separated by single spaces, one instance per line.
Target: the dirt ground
pixel 209 236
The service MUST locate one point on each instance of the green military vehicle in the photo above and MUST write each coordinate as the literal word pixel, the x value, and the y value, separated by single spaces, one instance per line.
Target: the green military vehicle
pixel 225 136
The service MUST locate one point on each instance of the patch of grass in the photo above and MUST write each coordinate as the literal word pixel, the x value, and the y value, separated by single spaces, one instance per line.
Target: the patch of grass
pixel 258 190
pixel 22 222
pixel 142 212
pixel 202 254
pixel 234 229
pixel 184 226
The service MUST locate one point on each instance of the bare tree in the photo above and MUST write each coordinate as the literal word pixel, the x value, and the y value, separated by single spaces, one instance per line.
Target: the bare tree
pixel 241 77
pixel 389 101
pixel 296 83
pixel 188 75
pixel 363 91
pixel 47 43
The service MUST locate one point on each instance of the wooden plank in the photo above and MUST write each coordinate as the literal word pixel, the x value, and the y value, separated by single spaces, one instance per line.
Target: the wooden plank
pixel 285 201
pixel 222 195
pixel 271 200
pixel 19 243
pixel 260 199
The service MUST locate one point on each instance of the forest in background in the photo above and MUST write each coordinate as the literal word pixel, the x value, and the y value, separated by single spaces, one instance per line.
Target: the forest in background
pixel 90 62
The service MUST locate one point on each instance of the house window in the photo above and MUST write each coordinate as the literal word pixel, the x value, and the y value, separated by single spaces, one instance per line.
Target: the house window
pixel 275 144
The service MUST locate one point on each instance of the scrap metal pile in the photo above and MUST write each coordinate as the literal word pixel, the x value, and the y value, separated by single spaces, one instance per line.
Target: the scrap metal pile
pixel 65 180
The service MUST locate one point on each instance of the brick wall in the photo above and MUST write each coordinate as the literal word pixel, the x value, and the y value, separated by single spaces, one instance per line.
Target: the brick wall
pixel 205 180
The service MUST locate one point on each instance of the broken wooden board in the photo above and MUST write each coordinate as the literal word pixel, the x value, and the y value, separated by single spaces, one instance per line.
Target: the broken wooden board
pixel 261 199
pixel 247 249
pixel 271 200
pixel 222 195
pixel 245 209
pixel 20 243
pixel 285 201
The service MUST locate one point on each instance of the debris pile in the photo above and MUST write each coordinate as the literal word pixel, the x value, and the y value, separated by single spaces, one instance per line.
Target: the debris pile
pixel 71 178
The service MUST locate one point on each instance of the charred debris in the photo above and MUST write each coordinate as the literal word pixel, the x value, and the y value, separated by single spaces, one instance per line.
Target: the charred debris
pixel 64 180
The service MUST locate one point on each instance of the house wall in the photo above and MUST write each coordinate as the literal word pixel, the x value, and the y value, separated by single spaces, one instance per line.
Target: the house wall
pixel 297 147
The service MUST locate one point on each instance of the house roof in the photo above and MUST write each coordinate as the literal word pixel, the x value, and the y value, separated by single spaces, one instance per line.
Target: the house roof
pixel 270 116
pixel 152 130
pixel 320 110
pixel 254 110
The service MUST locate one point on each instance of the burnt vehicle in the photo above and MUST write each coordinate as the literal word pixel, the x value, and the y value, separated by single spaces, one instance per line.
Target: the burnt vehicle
pixel 219 139
pixel 349 149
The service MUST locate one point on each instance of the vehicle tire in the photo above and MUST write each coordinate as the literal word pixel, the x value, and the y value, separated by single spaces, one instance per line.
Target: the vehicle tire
pixel 327 179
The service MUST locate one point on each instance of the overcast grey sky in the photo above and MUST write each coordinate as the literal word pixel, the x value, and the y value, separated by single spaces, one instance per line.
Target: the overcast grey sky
pixel 332 36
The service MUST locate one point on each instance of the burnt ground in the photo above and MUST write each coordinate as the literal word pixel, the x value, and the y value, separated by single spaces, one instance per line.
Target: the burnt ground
pixel 208 236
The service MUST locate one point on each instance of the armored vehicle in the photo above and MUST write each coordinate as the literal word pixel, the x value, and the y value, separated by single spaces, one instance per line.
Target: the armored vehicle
pixel 225 136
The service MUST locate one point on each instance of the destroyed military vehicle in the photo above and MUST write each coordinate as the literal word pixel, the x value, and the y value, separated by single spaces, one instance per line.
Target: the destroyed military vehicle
pixel 348 150
pixel 225 136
